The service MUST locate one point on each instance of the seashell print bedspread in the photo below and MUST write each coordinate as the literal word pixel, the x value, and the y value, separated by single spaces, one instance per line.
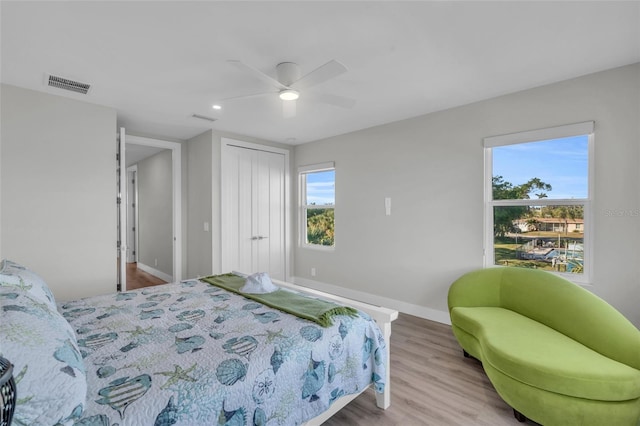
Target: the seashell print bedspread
pixel 193 354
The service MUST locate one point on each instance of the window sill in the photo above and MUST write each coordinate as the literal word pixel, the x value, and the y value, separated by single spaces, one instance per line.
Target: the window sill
pixel 317 247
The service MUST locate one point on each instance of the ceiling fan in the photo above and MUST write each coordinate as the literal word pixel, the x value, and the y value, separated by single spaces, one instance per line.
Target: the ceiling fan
pixel 290 83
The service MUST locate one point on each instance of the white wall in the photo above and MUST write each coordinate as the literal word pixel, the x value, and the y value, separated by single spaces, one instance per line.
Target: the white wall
pixel 432 168
pixel 155 212
pixel 58 190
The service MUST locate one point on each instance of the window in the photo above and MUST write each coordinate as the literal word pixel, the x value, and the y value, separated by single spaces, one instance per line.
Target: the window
pixel 317 205
pixel 538 202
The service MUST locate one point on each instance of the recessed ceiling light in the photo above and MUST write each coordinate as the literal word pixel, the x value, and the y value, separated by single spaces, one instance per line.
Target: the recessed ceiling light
pixel 216 107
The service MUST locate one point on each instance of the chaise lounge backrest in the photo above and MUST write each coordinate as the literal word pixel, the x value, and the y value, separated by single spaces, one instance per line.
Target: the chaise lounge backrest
pixel 555 302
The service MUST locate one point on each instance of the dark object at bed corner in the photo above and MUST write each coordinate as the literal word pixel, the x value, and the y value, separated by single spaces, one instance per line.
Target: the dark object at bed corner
pixel 7 392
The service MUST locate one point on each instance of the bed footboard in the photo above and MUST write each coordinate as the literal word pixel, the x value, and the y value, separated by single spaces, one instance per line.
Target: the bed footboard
pixel 383 317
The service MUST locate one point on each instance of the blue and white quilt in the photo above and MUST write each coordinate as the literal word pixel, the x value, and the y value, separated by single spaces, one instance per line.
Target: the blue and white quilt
pixel 193 354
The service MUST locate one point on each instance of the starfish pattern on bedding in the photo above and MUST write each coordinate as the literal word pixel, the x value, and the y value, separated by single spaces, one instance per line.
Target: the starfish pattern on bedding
pixel 273 335
pixel 176 375
pixel 139 331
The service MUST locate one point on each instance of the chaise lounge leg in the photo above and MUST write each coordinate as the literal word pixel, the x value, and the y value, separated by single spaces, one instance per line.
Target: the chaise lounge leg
pixel 519 416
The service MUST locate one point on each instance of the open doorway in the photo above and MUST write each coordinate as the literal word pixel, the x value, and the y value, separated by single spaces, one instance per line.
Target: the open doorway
pixel 151 237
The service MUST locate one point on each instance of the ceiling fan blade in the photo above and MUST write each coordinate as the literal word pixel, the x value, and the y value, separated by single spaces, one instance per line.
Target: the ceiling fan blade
pixel 288 109
pixel 257 73
pixel 321 74
pixel 253 95
pixel 335 100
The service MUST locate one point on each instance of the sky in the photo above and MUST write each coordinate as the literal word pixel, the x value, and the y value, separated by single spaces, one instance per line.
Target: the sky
pixel 321 188
pixel 562 163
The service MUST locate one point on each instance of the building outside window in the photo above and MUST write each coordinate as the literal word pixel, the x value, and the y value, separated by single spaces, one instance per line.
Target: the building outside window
pixel 317 205
pixel 538 200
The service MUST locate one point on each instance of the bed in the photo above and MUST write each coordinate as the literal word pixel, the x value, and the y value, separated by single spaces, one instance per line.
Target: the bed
pixel 185 353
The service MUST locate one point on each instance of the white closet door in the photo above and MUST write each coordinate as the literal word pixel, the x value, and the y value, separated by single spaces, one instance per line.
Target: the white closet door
pixel 253 212
pixel 270 214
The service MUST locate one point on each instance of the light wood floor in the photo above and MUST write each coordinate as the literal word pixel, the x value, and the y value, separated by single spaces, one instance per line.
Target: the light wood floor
pixel 431 384
pixel 137 278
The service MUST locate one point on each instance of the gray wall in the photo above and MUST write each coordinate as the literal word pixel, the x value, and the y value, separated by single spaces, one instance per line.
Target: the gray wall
pixel 432 168
pixel 200 182
pixel 57 190
pixel 155 212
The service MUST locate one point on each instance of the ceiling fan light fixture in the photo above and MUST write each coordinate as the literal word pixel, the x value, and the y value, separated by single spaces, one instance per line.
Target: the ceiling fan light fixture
pixel 289 95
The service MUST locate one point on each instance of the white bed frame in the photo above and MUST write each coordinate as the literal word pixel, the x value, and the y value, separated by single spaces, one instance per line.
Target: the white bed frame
pixel 383 317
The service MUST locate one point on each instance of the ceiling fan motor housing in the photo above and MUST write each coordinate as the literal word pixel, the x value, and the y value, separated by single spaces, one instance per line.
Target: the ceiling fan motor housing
pixel 288 73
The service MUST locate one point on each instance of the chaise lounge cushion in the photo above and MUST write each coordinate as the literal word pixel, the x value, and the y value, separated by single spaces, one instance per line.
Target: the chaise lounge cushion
pixel 511 344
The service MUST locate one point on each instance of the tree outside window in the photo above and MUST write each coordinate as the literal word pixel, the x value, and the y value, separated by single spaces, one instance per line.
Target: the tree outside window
pixel 538 200
pixel 317 216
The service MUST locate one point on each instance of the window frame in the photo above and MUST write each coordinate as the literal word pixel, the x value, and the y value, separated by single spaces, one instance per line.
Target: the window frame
pixel 577 129
pixel 303 171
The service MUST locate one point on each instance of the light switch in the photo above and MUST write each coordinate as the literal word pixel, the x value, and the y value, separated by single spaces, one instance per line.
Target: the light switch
pixel 206 227
pixel 387 205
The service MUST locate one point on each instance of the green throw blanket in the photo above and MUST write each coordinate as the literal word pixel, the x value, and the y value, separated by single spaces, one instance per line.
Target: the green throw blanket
pixel 319 311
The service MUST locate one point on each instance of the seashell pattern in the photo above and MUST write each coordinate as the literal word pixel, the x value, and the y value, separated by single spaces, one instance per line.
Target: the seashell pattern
pixel 230 371
pixel 276 360
pixel 311 333
pixel 191 353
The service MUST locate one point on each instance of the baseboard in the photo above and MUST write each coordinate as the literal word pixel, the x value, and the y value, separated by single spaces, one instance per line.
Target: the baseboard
pixel 148 269
pixel 398 305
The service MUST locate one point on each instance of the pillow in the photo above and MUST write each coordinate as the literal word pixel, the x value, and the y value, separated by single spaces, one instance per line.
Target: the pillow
pixel 15 275
pixel 50 375
pixel 258 283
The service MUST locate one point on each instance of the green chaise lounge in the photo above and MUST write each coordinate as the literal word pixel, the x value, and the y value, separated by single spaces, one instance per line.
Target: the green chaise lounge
pixel 556 353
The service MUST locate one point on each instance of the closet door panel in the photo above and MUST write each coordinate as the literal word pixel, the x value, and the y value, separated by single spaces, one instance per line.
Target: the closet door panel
pixel 270 214
pixel 237 213
pixel 246 208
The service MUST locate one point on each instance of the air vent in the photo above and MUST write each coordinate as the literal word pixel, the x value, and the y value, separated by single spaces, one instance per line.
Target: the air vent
pixel 204 117
pixel 67 84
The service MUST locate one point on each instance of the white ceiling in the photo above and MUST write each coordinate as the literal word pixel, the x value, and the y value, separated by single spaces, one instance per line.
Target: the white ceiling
pixel 157 63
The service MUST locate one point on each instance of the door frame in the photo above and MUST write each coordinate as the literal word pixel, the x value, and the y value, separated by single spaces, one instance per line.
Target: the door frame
pixel 225 144
pixel 132 255
pixel 176 171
